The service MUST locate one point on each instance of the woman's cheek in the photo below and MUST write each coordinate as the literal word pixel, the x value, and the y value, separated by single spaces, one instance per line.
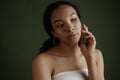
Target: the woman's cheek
pixel 78 27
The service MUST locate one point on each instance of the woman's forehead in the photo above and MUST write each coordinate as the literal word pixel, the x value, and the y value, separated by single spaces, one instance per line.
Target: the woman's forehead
pixel 63 11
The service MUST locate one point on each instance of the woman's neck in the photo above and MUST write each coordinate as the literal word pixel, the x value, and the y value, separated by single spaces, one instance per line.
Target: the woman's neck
pixel 68 50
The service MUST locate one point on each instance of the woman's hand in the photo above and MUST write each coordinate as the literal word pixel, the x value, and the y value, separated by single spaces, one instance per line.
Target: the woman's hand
pixel 87 42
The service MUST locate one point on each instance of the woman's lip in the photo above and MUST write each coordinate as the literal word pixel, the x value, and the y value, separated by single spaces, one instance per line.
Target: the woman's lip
pixel 73 35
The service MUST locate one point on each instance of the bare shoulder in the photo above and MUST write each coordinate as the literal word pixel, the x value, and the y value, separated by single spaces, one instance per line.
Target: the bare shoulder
pixel 42 67
pixel 40 57
pixel 43 59
pixel 98 52
pixel 99 55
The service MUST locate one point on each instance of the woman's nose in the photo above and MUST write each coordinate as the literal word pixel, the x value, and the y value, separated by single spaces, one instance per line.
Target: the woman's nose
pixel 70 28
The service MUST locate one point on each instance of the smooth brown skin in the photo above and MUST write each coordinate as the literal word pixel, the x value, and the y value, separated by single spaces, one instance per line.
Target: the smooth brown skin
pixel 67 55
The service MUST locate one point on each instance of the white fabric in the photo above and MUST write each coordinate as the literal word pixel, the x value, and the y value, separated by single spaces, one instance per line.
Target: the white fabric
pixel 72 75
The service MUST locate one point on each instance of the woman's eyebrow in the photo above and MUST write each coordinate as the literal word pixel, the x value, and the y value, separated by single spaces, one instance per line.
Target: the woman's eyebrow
pixel 72 13
pixel 58 20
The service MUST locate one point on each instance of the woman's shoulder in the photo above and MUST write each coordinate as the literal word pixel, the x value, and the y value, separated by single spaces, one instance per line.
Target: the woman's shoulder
pixel 43 61
pixel 42 57
pixel 42 66
pixel 99 54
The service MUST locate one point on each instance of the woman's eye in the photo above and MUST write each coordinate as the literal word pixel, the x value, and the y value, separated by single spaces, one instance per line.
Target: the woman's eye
pixel 74 20
pixel 60 25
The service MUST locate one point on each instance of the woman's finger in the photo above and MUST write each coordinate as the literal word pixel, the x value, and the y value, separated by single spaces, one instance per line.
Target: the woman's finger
pixel 86 32
pixel 88 35
pixel 85 27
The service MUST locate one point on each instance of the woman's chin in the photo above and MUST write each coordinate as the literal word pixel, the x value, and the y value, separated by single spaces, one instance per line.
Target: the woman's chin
pixel 73 42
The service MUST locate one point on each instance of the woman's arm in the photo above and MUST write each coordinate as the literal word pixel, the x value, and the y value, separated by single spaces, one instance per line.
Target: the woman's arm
pixel 93 57
pixel 100 64
pixel 41 68
pixel 95 66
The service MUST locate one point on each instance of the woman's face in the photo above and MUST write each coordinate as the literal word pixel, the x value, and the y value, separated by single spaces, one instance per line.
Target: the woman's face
pixel 66 24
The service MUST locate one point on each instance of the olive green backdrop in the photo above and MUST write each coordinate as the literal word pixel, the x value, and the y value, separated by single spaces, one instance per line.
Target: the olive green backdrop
pixel 22 33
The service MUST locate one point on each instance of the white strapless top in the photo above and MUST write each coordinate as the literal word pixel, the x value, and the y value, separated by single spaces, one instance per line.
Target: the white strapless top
pixel 72 75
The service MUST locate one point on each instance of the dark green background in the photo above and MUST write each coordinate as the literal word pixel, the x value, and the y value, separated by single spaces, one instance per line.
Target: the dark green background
pixel 22 33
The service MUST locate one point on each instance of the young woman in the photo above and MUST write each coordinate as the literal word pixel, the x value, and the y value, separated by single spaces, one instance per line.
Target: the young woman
pixel 70 53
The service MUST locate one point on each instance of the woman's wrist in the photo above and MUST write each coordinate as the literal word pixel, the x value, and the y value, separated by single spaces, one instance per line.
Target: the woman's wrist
pixel 90 53
pixel 90 57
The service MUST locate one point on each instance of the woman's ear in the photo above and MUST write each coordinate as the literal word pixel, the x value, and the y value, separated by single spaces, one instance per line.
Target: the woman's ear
pixel 54 34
